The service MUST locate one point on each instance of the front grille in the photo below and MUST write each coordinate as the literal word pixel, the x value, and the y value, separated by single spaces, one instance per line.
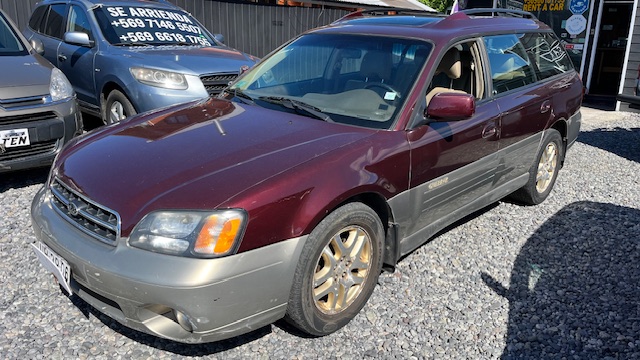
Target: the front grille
pixel 17 153
pixel 215 83
pixel 25 118
pixel 20 102
pixel 95 220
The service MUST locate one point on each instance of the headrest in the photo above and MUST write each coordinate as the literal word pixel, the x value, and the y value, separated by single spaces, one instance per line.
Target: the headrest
pixel 450 64
pixel 376 65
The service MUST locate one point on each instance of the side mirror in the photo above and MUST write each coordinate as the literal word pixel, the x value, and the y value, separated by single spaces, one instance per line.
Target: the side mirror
pixel 451 107
pixel 77 38
pixel 37 45
pixel 219 38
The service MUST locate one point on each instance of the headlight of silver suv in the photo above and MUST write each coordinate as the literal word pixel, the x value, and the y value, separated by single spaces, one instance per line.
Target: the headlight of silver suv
pixel 190 233
pixel 160 78
pixel 59 87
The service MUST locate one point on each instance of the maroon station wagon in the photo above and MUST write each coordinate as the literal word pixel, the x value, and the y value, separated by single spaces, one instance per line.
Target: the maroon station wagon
pixel 342 151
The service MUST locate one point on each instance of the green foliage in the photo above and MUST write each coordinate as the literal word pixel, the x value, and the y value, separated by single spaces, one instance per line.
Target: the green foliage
pixel 440 5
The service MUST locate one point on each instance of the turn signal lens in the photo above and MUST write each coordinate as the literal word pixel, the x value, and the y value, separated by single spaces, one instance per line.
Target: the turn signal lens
pixel 219 233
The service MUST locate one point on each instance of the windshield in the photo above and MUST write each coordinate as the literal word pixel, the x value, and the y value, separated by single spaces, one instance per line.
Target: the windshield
pixel 10 45
pixel 131 25
pixel 352 79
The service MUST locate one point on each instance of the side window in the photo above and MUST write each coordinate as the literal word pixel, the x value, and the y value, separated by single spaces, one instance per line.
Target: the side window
pixel 510 66
pixel 36 22
pixel 459 70
pixel 55 21
pixel 78 21
pixel 547 54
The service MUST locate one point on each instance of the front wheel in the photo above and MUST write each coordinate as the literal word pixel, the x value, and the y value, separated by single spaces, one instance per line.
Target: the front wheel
pixel 543 173
pixel 337 271
pixel 117 108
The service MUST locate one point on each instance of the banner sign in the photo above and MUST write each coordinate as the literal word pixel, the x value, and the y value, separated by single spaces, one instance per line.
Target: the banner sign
pixel 142 25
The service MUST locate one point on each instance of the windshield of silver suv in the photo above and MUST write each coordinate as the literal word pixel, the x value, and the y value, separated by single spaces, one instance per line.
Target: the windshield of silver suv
pixel 130 25
pixel 356 79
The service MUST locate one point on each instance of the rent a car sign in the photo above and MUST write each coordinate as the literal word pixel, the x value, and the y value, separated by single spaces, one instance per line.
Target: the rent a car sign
pixel 543 5
pixel 148 25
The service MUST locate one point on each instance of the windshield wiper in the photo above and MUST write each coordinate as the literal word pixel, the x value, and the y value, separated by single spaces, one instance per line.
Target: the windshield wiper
pixel 131 44
pixel 242 96
pixel 184 43
pixel 298 106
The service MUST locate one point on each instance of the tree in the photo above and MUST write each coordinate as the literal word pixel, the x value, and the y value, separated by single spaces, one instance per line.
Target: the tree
pixel 440 5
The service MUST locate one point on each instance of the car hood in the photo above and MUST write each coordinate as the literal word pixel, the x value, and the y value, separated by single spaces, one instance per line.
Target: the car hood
pixel 195 60
pixel 194 156
pixel 24 76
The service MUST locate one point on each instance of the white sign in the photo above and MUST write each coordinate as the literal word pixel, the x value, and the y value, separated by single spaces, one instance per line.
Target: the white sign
pixel 576 24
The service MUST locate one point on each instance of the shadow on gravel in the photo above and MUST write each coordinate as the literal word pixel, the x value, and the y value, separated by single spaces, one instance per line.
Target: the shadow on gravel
pixel 575 286
pixel 20 179
pixel 168 345
pixel 620 141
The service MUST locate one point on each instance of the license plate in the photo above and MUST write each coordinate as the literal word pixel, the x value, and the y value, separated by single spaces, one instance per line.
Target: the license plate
pixel 14 138
pixel 54 263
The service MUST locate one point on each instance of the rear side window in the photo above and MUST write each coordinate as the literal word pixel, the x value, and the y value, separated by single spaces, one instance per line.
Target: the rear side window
pixel 509 63
pixel 547 54
pixel 55 21
pixel 38 15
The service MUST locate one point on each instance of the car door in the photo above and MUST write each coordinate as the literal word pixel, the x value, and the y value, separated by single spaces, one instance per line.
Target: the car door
pixel 77 62
pixel 524 103
pixel 452 163
pixel 51 29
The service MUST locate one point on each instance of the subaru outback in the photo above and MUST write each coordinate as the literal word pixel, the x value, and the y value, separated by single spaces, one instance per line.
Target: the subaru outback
pixel 344 150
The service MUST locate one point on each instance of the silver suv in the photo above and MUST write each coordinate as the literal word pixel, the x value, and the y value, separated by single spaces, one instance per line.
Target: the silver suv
pixel 125 57
pixel 37 104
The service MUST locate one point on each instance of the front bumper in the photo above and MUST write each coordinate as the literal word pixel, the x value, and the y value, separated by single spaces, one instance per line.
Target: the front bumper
pixel 219 298
pixel 50 126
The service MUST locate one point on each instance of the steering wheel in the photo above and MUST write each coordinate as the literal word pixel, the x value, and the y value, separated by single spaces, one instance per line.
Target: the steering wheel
pixel 384 86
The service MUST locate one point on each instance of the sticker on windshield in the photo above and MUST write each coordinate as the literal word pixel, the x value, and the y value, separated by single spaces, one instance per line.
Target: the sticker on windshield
pixel 390 95
pixel 148 26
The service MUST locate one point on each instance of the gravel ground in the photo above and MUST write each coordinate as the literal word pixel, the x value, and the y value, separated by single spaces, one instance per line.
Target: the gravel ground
pixel 558 280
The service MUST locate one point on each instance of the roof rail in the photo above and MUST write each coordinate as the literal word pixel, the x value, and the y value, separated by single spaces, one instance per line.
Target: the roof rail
pixel 387 11
pixel 397 11
pixel 500 12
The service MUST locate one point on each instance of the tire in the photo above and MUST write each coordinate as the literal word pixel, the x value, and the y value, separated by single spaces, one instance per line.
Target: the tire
pixel 117 108
pixel 322 308
pixel 543 172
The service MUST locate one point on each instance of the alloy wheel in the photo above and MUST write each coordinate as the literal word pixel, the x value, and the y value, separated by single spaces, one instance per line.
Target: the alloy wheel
pixel 342 270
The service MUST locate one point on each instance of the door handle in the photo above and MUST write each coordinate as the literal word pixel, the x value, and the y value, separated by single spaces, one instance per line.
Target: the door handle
pixel 62 57
pixel 546 105
pixel 490 132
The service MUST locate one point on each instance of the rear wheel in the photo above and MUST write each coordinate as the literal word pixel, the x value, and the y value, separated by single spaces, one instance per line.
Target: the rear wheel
pixel 117 108
pixel 337 271
pixel 543 173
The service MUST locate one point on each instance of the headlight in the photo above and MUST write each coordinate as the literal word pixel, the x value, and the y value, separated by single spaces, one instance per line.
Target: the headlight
pixel 190 233
pixel 160 78
pixel 59 87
